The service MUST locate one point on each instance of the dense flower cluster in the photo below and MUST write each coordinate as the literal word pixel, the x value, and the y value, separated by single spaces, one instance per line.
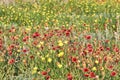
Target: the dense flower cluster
pixel 60 40
pixel 53 51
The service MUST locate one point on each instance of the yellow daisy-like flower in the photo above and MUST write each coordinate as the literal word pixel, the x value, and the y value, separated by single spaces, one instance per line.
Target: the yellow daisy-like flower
pixel 34 70
pixel 96 21
pixel 39 45
pixel 18 50
pixel 38 53
pixel 59 65
pixel 96 61
pixel 94 68
pixel 49 60
pixel 61 54
pixel 60 44
pixel 28 29
pixel 59 41
pixel 41 42
pixel 42 58
pixel 65 42
pixel 1 59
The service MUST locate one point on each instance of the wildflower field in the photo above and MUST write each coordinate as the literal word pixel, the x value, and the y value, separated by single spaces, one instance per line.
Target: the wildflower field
pixel 60 40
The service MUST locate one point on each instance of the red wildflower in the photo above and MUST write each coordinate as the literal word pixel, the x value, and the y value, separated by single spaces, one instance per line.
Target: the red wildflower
pixel 11 61
pixel 85 70
pixel 89 45
pixel 90 49
pixel 25 38
pixel 105 58
pixel 0 32
pixel 108 49
pixel 110 67
pixel 10 52
pixel 86 75
pixel 44 73
pixel 69 76
pixel 92 75
pixel 88 37
pixel 101 48
pixel 47 77
pixel 67 33
pixel 25 50
pixel 31 57
pixel 116 49
pixel 36 34
pixel 113 73
pixel 74 59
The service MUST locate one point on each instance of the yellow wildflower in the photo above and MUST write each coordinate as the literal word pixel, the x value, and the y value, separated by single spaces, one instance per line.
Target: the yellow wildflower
pixel 96 61
pixel 94 69
pixel 28 28
pixel 60 43
pixel 38 53
pixel 41 42
pixel 65 42
pixel 42 58
pixel 49 60
pixel 59 65
pixel 34 70
pixel 96 21
pixel 18 50
pixel 60 54
pixel 39 45
pixel 1 59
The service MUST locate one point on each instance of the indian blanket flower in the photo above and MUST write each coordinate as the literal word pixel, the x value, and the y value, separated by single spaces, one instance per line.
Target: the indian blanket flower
pixel 24 50
pixel 110 67
pixel 47 77
pixel 86 75
pixel 88 37
pixel 69 76
pixel 11 61
pixel 74 59
pixel 85 69
pixel 92 75
pixel 36 34
pixel 113 73
pixel 25 38
pixel 44 73
pixel 116 49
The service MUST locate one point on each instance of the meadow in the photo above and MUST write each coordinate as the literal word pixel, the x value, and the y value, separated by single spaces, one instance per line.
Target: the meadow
pixel 60 40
